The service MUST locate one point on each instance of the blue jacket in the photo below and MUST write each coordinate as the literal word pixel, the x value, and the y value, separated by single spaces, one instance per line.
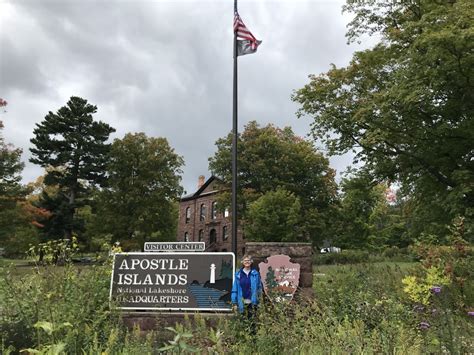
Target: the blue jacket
pixel 255 289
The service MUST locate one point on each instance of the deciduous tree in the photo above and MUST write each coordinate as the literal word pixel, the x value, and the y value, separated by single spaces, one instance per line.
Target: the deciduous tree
pixel 367 219
pixel 275 216
pixel 11 190
pixel 140 201
pixel 10 170
pixel 405 107
pixel 270 158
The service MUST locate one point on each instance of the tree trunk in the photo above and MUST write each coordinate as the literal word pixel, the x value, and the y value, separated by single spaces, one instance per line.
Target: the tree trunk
pixel 72 201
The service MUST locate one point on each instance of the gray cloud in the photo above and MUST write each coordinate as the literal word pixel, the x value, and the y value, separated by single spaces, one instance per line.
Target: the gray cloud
pixel 163 67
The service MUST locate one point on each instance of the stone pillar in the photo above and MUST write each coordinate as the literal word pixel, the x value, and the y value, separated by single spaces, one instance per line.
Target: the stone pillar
pixel 301 253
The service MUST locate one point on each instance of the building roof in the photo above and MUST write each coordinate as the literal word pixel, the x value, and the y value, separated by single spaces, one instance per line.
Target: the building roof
pixel 200 191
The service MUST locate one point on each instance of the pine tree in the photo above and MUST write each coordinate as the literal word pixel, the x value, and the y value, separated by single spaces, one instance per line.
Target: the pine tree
pixel 72 146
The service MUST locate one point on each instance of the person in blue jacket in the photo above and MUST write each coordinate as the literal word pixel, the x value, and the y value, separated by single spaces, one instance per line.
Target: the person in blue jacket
pixel 247 288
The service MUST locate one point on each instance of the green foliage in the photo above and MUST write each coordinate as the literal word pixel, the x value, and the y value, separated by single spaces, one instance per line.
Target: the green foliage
pixel 56 347
pixel 420 290
pixel 374 294
pixel 140 200
pixel 72 146
pixel 61 217
pixel 453 262
pixel 442 290
pixel 271 158
pixel 20 240
pixel 367 220
pixel 405 106
pixel 275 216
pixel 10 190
pixel 356 309
pixel 342 258
pixel 55 251
pixel 16 230
pixel 178 345
pixel 56 296
pixel 10 169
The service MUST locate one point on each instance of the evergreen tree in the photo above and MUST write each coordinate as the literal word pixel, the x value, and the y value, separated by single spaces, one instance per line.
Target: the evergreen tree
pixel 73 147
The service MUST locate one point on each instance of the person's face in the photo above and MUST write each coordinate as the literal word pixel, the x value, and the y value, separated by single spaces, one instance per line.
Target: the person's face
pixel 246 262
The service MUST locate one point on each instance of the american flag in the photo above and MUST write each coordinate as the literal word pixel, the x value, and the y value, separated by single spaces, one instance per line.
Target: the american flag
pixel 243 32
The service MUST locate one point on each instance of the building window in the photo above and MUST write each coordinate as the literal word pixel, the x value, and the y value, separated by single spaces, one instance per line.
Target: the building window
pixel 202 214
pixel 226 213
pixel 225 233
pixel 214 210
pixel 188 214
pixel 186 237
pixel 201 235
pixel 212 236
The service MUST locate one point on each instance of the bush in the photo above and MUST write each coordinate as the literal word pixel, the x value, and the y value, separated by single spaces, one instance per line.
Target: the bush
pixel 344 257
pixel 19 242
pixel 363 256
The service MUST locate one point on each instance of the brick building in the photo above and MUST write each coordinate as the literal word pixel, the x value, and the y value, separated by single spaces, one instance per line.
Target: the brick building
pixel 199 220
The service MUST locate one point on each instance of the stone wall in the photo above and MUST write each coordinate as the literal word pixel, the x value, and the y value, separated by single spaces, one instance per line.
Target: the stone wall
pixel 301 253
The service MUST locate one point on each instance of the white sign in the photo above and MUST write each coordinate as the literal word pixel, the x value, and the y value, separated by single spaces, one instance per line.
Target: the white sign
pixel 174 246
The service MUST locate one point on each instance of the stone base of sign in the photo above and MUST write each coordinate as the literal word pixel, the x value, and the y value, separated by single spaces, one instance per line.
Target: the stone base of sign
pixel 301 253
pixel 157 321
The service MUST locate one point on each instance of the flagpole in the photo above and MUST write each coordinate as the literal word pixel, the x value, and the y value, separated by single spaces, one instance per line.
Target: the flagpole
pixel 234 146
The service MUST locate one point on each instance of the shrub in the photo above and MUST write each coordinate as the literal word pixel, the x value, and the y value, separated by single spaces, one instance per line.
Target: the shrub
pixel 363 256
pixel 344 257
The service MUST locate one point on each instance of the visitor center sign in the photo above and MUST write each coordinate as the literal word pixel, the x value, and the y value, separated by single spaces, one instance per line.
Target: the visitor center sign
pixel 172 281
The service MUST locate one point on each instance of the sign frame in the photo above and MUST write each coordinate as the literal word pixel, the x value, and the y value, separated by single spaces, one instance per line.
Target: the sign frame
pixel 166 309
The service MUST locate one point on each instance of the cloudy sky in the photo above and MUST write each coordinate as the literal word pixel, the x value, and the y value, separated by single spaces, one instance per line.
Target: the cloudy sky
pixel 164 67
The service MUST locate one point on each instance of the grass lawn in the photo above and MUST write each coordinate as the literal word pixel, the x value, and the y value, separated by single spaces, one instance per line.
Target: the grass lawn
pixel 20 267
pixel 14 262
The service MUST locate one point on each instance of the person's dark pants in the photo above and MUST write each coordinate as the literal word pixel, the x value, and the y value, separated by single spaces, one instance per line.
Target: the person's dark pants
pixel 250 312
